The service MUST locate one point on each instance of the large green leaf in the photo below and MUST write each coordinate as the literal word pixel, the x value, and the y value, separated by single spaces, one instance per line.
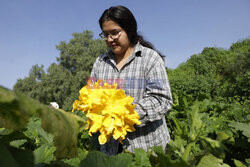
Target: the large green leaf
pixel 16 109
pixel 211 161
pixel 10 156
pixel 99 159
pixel 120 160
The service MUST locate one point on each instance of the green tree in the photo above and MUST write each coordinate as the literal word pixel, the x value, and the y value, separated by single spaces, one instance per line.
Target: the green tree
pixel 63 80
pixel 214 73
pixel 31 85
pixel 237 71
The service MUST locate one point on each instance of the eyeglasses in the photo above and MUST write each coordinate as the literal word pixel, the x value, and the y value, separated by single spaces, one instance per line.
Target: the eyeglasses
pixel 115 34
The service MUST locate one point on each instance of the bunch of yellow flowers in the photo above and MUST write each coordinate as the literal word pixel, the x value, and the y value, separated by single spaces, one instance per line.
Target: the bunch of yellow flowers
pixel 109 111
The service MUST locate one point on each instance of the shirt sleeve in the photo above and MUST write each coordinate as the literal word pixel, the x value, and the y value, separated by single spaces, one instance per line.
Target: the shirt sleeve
pixel 157 98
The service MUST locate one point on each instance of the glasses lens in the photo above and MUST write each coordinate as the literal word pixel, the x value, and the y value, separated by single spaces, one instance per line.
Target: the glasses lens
pixel 112 35
pixel 116 34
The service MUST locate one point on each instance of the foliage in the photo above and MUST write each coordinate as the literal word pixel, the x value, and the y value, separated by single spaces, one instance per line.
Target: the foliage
pixel 216 73
pixel 203 128
pixel 43 133
pixel 200 131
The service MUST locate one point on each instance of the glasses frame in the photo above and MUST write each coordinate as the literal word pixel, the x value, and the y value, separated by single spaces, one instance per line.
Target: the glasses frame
pixel 114 36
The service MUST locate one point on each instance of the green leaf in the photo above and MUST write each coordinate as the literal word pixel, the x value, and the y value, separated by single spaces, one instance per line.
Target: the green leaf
pixel 224 137
pixel 166 160
pixel 82 153
pixel 44 154
pixel 14 157
pixel 95 159
pixel 85 135
pixel 18 143
pixel 158 149
pixel 4 131
pixel 244 127
pixel 196 121
pixel 239 163
pixel 141 158
pixel 248 161
pixel 218 148
pixel 221 136
pixel 211 161
pixel 187 151
pixel 214 143
pixel 120 160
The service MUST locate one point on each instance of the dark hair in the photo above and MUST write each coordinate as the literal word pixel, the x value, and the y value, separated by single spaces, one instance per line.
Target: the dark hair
pixel 126 20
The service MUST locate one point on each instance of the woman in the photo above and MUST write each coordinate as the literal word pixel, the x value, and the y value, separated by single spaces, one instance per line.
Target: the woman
pixel 140 72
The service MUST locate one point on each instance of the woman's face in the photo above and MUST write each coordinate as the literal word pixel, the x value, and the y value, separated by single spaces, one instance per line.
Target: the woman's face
pixel 117 39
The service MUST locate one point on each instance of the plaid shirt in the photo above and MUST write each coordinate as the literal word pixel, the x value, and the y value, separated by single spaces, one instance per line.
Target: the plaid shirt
pixel 143 77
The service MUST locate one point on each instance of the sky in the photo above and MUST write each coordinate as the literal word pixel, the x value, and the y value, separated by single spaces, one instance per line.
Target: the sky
pixel 31 29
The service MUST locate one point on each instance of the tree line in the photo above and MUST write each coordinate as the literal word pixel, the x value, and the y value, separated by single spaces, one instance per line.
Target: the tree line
pixel 220 74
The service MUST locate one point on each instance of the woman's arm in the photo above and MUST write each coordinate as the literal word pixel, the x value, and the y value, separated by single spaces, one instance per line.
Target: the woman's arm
pixel 157 99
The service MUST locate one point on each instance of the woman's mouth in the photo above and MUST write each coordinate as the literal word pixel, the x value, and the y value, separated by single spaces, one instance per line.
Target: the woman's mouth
pixel 114 46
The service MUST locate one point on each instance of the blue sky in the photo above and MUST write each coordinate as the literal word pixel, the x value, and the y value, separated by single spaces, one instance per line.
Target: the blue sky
pixel 31 29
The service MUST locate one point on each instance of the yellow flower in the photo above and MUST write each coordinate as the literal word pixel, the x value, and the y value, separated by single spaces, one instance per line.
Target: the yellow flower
pixel 109 111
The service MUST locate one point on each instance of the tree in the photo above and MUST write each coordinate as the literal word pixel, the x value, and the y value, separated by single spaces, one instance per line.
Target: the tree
pixel 31 85
pixel 62 81
pixel 214 73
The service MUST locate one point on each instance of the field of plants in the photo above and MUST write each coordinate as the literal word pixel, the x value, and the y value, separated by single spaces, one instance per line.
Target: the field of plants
pixel 204 133
pixel 209 122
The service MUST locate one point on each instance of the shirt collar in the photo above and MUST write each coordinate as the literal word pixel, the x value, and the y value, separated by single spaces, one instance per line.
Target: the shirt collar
pixel 136 52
